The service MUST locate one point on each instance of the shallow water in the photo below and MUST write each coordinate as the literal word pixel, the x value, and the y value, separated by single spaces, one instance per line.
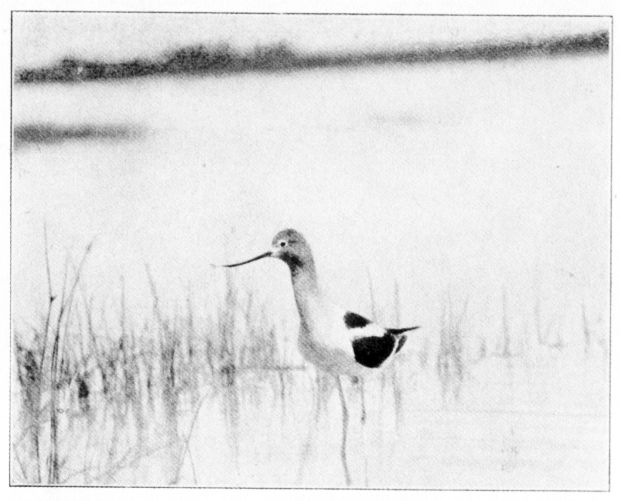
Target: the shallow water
pixel 485 184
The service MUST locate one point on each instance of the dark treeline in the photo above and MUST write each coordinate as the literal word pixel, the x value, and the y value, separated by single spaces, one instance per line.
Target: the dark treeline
pixel 219 59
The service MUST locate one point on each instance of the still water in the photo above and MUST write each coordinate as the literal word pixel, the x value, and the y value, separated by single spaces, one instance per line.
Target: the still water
pixel 481 185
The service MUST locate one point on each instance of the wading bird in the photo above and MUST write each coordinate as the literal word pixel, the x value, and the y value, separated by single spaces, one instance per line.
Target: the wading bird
pixel 335 340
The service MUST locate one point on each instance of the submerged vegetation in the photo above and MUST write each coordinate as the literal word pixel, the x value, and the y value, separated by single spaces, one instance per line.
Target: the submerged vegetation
pixel 222 58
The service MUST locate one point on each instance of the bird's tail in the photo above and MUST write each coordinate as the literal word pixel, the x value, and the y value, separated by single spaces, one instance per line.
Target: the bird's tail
pixel 402 330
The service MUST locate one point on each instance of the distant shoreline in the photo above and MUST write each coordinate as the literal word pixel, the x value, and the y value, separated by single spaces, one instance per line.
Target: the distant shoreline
pixel 223 59
pixel 49 133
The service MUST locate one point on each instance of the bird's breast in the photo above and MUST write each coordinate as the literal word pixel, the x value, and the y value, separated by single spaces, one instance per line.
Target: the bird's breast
pixel 328 352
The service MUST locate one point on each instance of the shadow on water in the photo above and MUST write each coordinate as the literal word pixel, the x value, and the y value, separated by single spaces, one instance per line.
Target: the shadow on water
pixel 46 133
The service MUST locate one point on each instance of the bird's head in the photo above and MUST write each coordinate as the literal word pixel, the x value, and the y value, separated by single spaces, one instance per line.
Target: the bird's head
pixel 291 247
pixel 288 245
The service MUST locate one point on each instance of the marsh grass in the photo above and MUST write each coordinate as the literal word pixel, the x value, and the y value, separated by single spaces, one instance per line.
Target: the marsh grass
pixel 90 389
pixel 102 398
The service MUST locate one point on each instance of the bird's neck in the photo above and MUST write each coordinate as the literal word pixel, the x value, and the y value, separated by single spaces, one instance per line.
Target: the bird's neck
pixel 305 288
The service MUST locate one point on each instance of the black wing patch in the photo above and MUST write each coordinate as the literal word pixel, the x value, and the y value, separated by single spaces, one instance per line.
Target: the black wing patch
pixel 373 351
pixel 354 321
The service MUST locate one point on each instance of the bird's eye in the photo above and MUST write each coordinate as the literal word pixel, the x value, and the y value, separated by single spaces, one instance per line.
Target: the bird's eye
pixel 283 243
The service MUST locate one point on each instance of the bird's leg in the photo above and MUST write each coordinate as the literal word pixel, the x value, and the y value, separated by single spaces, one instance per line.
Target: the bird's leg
pixel 363 398
pixel 363 423
pixel 345 426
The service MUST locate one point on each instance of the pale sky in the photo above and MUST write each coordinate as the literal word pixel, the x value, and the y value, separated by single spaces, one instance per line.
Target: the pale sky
pixel 42 38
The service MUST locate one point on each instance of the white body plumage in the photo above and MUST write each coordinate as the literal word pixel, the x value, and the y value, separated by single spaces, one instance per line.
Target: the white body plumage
pixel 334 340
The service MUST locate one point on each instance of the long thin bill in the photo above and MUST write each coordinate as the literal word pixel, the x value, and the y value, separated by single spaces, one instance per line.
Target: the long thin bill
pixel 266 254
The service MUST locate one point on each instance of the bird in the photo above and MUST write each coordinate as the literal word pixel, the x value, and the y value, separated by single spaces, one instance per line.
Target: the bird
pixel 332 338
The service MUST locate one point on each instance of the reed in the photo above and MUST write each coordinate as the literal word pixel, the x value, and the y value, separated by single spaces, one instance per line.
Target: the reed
pixel 450 363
